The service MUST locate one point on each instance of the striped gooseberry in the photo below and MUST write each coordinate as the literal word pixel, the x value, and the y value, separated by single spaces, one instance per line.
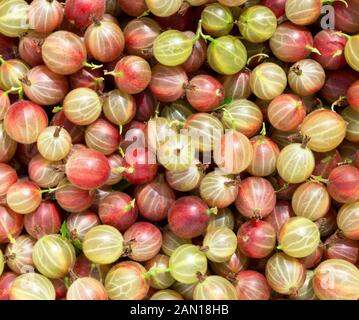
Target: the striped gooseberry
pixel 115 161
pixel 235 264
pixel 6 281
pixel 326 162
pixel 285 275
pixel 226 55
pixel 286 112
pixel 336 279
pixel 82 12
pixel 224 218
pixel 134 9
pixel 204 93
pixel 306 77
pixel 8 177
pixel 23 197
pixel 204 131
pixel 346 16
pixel 326 130
pixel 280 215
pixel 119 107
pixel 87 78
pixel 265 154
pixel 348 220
pixel 132 74
pixel 172 48
pixel 314 258
pixel 242 115
pixel 232 3
pixel 198 54
pixel 351 52
pixel 37 287
pixel 341 248
pixel 353 95
pixel 219 244
pixel 217 20
pixel 256 198
pixel 53 256
pixel 166 294
pixel 85 268
pixel 177 154
pixel 159 130
pixel 64 52
pixel 291 43
pixel 54 143
pixel 24 121
pixel 298 237
pixel 311 200
pixel 103 244
pixel 187 179
pixel 104 34
pixel 86 288
pixel 11 71
pixel 102 136
pixel 73 199
pixel 234 152
pixel 218 189
pixel 4 103
pixel 146 105
pixel 45 16
pixel 143 241
pixel 163 8
pixel 126 281
pixel 277 6
pixel 237 86
pixel 186 262
pixel 76 132
pixel 257 23
pixel 188 216
pixel 44 87
pixel 158 272
pixel 87 169
pixel 251 285
pixel 139 35
pixel 303 12
pixel 11 224
pixel 18 254
pixel 268 81
pixel 168 83
pixel 328 223
pixel 14 17
pixel 256 238
pixel 118 210
pixel 351 116
pixel 154 199
pixel 170 242
pixel 306 292
pixel 82 106
pixel 214 288
pixel 343 184
pixel 79 223
pixel 337 82
pixel 139 166
pixel 295 163
pixel 46 219
pixel 331 46
pixel 30 48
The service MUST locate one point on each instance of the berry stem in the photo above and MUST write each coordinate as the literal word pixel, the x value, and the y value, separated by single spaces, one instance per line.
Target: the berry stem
pixel 91 65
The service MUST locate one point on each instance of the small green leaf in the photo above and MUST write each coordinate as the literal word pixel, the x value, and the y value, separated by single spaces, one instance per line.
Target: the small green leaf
pixel 77 244
pixel 63 230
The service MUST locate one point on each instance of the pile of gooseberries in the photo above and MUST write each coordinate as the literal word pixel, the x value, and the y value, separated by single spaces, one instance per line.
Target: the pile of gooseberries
pixel 179 150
